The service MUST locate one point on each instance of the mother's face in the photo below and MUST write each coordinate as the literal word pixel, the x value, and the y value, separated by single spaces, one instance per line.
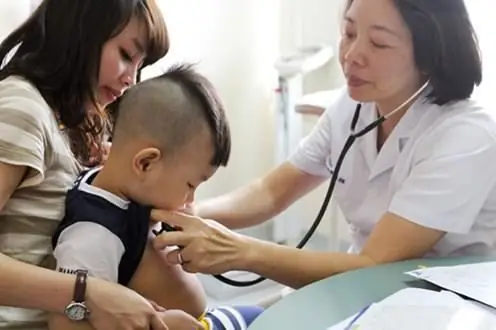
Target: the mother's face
pixel 376 53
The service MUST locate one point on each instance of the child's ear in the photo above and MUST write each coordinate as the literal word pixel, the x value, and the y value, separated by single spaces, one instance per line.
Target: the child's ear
pixel 145 159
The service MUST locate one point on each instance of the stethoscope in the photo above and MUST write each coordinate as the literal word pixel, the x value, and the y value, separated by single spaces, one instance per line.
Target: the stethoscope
pixel 334 177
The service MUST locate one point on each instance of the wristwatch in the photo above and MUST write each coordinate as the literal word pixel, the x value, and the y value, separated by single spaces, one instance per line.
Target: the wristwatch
pixel 77 310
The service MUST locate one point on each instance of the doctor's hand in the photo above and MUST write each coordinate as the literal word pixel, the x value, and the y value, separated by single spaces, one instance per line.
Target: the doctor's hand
pixel 206 246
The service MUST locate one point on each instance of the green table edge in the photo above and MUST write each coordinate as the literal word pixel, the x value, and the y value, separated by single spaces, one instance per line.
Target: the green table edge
pixel 324 303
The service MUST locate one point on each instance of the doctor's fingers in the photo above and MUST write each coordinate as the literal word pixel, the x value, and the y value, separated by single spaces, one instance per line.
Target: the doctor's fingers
pixel 184 259
pixel 176 219
pixel 192 260
pixel 213 253
pixel 175 238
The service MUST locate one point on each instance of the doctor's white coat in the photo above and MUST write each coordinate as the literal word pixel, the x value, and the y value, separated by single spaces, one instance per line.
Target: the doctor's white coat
pixel 436 169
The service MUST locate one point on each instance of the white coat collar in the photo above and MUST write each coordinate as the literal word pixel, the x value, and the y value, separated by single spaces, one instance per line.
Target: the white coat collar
pixel 380 162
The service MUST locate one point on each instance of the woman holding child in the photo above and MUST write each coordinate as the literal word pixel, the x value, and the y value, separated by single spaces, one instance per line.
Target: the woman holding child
pixel 74 58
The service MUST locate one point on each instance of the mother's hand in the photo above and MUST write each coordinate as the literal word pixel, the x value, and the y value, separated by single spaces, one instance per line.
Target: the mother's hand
pixel 206 246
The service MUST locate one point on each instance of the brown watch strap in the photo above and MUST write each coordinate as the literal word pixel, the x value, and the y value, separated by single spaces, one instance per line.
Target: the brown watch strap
pixel 80 286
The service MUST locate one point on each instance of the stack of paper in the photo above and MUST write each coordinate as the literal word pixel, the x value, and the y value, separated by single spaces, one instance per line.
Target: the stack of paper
pixel 413 309
pixel 476 281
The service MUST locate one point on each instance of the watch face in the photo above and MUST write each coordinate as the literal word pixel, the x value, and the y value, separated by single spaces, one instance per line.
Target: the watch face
pixel 76 311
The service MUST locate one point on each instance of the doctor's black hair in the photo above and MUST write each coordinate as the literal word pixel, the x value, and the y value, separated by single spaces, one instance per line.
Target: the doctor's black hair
pixel 58 49
pixel 171 109
pixel 445 46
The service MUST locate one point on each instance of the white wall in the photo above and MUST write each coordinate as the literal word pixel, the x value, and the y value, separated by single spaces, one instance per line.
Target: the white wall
pixel 235 44
pixel 307 22
pixel 12 13
pixel 484 25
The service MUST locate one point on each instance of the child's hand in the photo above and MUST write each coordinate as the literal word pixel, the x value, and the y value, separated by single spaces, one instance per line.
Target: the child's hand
pixel 176 319
pixel 156 306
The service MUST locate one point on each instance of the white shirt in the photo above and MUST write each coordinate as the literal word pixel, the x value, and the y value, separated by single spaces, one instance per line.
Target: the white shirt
pixel 436 169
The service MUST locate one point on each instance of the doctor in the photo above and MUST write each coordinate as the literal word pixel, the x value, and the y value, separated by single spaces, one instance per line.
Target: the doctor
pixel 422 184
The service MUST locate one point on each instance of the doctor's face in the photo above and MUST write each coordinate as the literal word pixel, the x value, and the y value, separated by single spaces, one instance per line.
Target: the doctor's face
pixel 376 53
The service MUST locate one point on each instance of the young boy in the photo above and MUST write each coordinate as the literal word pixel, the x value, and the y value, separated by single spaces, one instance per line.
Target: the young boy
pixel 171 134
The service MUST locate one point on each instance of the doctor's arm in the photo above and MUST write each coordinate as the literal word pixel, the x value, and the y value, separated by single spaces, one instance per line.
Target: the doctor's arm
pixel 211 248
pixel 393 239
pixel 261 200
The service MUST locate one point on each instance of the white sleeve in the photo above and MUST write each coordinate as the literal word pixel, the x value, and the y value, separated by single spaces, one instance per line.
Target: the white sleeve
pixel 312 152
pixel 24 119
pixel 89 246
pixel 450 181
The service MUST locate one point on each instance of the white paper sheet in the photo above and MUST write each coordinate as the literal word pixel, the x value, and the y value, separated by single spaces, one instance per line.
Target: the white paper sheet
pixel 341 325
pixel 413 309
pixel 476 281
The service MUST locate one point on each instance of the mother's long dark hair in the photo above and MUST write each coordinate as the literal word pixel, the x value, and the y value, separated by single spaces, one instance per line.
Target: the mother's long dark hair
pixel 59 50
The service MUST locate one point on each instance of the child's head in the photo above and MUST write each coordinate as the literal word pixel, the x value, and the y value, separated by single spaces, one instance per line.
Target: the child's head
pixel 171 134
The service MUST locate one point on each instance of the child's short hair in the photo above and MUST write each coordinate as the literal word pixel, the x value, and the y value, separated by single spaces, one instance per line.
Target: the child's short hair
pixel 170 109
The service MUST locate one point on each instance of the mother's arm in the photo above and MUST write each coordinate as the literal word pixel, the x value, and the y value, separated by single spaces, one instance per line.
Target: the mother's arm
pixel 22 284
